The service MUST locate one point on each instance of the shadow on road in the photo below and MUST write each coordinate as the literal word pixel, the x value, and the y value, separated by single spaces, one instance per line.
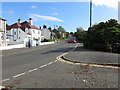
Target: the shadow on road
pixel 59 50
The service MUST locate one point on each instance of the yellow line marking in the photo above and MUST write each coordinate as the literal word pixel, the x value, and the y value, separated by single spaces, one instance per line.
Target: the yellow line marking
pixel 92 65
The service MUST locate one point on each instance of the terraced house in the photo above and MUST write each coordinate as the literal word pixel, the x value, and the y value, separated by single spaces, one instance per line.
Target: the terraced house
pixel 3 32
pixel 22 32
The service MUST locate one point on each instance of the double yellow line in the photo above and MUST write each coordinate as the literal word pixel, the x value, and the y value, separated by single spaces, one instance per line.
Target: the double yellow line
pixel 59 58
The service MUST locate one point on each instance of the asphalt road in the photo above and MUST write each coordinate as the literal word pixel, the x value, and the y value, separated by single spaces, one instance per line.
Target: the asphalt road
pixel 40 69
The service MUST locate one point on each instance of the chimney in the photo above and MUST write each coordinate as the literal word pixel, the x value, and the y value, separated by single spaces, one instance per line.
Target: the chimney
pixel 44 26
pixel 50 28
pixel 40 27
pixel 19 20
pixel 30 21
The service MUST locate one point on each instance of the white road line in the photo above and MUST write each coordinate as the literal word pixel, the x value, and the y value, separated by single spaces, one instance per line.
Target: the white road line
pixel 1 87
pixel 18 75
pixel 33 70
pixel 5 80
pixel 55 61
pixel 43 66
pixel 49 63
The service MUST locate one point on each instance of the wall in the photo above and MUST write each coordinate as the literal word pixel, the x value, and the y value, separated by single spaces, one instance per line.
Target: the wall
pixel 46 33
pixel 3 33
pixel 12 47
pixel 18 38
pixel 35 35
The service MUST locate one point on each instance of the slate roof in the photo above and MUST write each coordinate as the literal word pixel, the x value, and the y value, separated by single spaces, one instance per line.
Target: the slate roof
pixel 23 26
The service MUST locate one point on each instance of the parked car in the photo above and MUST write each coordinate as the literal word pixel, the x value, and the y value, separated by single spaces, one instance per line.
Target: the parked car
pixel 71 41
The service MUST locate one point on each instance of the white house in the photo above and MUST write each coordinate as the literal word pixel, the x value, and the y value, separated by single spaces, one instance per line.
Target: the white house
pixel 3 32
pixel 19 33
pixel 46 33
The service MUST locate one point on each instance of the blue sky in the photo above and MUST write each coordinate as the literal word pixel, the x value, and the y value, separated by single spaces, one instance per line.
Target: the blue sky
pixel 70 15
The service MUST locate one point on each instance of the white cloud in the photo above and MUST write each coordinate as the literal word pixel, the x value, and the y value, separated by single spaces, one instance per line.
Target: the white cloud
pixel 33 6
pixel 48 18
pixel 108 3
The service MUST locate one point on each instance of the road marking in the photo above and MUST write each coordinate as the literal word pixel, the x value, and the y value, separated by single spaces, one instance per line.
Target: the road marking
pixel 55 61
pixel 1 87
pixel 43 66
pixel 5 80
pixel 33 70
pixel 18 75
pixel 92 65
pixel 49 63
pixel 21 74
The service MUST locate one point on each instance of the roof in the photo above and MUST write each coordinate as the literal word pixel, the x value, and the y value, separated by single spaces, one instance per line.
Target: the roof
pixel 22 25
pixel 28 33
pixel 2 19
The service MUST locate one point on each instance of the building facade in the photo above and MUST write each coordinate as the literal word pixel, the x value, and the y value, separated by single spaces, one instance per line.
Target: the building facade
pixel 20 33
pixel 46 33
pixel 3 32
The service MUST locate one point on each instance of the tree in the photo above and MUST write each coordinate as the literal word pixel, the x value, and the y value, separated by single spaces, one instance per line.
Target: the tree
pixel 62 32
pixel 80 34
pixel 61 29
pixel 105 33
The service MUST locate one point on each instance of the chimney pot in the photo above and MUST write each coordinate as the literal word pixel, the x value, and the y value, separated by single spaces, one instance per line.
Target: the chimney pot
pixel 19 20
pixel 30 21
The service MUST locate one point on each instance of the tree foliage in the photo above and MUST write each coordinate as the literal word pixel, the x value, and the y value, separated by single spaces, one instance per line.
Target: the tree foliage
pixel 80 34
pixel 62 32
pixel 105 32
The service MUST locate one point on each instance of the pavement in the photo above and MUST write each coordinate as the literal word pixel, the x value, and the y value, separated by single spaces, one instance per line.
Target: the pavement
pixel 22 50
pixel 82 55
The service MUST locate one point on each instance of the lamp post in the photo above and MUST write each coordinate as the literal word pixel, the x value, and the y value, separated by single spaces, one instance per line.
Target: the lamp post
pixel 90 13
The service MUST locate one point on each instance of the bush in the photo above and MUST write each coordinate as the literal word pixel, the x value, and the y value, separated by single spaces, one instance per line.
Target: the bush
pixel 47 40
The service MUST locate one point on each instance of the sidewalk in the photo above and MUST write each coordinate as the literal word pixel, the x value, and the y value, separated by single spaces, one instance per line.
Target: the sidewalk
pixel 22 50
pixel 89 56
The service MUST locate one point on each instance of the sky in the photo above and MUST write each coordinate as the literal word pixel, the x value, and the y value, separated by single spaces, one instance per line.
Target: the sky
pixel 69 15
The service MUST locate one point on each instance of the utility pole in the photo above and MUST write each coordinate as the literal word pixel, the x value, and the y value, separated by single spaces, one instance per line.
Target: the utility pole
pixel 90 13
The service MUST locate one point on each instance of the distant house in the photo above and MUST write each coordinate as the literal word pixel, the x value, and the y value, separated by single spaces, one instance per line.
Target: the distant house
pixel 3 32
pixel 19 33
pixel 46 33
pixel 56 33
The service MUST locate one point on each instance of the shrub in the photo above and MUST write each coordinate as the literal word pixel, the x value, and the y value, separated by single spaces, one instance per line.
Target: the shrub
pixel 47 40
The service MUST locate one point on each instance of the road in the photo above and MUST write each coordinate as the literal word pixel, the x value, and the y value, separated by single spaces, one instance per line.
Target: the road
pixel 40 69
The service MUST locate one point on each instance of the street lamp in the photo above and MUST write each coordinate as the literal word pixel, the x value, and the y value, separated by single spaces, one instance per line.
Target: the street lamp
pixel 90 13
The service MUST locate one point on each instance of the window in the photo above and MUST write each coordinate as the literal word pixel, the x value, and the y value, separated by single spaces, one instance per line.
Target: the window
pixel 33 31
pixel 19 32
pixel 38 32
pixel 15 33
pixel 2 37
pixel 19 37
